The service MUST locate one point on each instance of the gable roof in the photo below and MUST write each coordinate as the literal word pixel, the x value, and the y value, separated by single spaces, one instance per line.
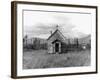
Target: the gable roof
pixel 55 33
pixel 56 41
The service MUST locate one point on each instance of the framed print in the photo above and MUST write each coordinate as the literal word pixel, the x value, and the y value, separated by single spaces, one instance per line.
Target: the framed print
pixel 50 39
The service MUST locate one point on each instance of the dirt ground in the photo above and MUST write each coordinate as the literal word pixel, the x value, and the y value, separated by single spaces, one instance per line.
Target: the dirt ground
pixel 33 59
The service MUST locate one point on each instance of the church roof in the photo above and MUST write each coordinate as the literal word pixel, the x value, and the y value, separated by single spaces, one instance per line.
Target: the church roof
pixel 57 31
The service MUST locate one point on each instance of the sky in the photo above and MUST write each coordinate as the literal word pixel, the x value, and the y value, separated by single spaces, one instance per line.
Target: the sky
pixel 40 24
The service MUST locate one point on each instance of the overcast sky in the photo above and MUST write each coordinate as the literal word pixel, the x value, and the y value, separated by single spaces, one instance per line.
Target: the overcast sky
pixel 39 24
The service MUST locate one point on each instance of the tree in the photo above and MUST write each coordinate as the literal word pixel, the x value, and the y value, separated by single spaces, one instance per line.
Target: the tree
pixel 25 40
pixel 36 43
pixel 76 42
pixel 69 41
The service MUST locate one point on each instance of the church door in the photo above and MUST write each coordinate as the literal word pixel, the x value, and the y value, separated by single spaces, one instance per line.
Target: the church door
pixel 56 47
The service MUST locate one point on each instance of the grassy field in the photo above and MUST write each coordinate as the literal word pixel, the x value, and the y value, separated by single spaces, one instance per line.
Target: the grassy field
pixel 41 59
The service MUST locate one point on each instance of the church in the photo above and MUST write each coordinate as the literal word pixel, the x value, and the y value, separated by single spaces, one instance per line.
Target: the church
pixel 57 43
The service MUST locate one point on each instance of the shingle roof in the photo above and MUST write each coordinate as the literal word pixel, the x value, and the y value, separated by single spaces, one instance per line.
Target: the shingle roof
pixel 55 33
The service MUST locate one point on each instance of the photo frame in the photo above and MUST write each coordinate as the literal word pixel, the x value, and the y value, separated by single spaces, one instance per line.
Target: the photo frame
pixel 51 39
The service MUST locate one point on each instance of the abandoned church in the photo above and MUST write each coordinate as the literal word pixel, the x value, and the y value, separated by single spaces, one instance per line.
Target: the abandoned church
pixel 57 43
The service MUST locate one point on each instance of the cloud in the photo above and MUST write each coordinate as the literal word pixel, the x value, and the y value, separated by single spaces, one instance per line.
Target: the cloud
pixel 41 25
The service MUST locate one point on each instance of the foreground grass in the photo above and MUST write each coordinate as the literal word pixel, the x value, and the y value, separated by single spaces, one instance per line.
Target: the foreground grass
pixel 41 59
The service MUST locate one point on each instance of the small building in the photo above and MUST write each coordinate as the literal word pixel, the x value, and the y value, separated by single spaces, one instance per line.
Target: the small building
pixel 56 42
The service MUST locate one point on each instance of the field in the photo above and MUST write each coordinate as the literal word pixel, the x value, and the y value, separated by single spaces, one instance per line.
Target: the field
pixel 33 59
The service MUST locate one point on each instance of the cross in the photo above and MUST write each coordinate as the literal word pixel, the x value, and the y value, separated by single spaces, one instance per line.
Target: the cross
pixel 57 27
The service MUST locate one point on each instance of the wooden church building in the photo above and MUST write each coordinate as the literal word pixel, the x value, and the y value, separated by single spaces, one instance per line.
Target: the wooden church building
pixel 57 42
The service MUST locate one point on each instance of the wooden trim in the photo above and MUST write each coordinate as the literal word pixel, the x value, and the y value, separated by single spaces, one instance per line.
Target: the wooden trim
pixel 14 37
pixel 54 4
pixel 13 40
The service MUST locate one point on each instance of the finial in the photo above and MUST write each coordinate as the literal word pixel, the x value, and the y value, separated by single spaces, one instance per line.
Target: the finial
pixel 51 32
pixel 57 27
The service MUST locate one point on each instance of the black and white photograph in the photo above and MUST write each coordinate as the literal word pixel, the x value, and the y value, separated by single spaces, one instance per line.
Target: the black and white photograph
pixel 53 39
pixel 56 39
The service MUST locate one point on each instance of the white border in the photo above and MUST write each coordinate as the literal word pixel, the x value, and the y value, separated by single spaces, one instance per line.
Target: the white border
pixel 21 72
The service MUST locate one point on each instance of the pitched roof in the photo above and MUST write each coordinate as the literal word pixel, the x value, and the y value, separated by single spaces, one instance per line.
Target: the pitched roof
pixel 55 33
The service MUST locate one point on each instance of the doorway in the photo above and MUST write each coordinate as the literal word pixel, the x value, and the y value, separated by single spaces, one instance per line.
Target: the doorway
pixel 57 47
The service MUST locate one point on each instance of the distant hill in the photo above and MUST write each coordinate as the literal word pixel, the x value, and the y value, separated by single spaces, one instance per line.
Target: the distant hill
pixel 86 39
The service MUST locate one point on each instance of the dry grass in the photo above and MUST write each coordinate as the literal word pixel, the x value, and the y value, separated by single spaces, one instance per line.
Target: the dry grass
pixel 41 59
